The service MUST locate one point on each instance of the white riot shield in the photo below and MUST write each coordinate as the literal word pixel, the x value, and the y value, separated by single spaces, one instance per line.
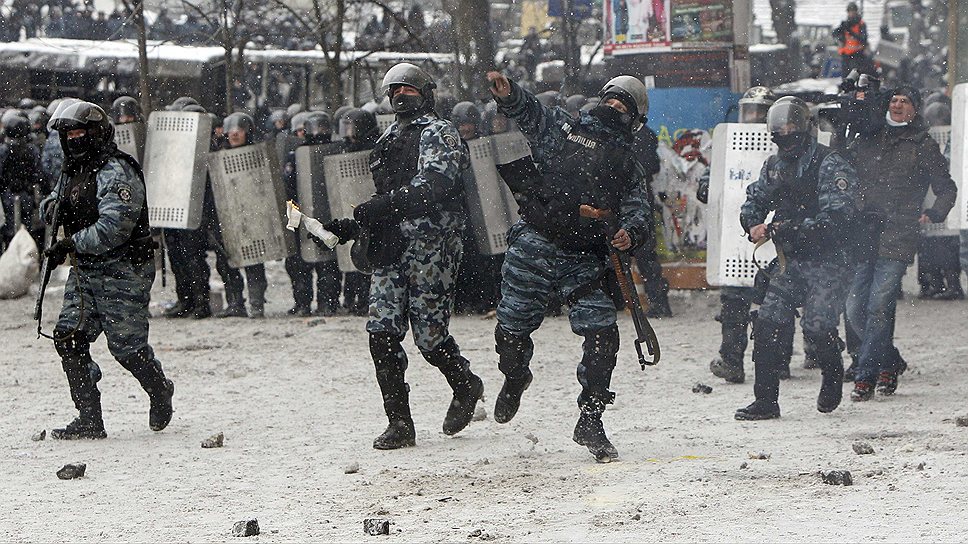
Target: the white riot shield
pixel 942 135
pixel 175 166
pixel 250 201
pixel 739 151
pixel 130 138
pixel 349 183
pixel 958 218
pixel 509 147
pixel 484 193
pixel 384 120
pixel 312 197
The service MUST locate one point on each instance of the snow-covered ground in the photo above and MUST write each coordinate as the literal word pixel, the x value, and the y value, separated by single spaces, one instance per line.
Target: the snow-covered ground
pixel 298 403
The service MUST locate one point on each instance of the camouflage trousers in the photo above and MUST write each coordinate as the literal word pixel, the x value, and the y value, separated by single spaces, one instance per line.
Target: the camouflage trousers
pixel 820 288
pixel 534 269
pixel 419 289
pixel 113 298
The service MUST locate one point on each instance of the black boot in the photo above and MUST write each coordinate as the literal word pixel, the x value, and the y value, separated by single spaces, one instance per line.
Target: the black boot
pixel 772 347
pixel 179 310
pixel 391 365
pixel 827 347
pixel 514 354
pixel 659 299
pixel 590 432
pixel 468 387
pixel 147 370
pixel 729 364
pixel 234 306
pixel 202 295
pixel 82 377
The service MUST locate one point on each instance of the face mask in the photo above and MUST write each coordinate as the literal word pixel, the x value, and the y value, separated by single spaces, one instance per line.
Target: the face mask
pixel 406 103
pixel 611 117
pixel 78 147
pixel 791 146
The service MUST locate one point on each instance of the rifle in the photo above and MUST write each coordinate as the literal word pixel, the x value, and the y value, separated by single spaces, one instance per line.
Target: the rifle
pixel 51 238
pixel 622 266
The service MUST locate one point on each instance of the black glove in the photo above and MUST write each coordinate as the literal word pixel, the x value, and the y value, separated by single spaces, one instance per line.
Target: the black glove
pixel 782 232
pixel 58 252
pixel 373 210
pixel 344 229
pixel 934 216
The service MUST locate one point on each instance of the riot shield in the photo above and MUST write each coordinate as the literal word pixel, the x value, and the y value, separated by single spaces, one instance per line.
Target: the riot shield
pixel 484 193
pixel 130 138
pixel 958 218
pixel 250 201
pixel 509 147
pixel 739 151
pixel 312 198
pixel 942 135
pixel 175 166
pixel 384 120
pixel 348 184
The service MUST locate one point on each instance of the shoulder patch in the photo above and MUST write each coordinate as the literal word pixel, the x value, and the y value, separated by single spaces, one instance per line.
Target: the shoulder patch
pixel 124 193
pixel 450 140
pixel 841 183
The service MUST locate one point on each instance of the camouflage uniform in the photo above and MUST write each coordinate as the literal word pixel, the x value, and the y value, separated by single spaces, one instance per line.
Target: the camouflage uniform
pixel 417 288
pixel 537 267
pixel 813 198
pixel 109 289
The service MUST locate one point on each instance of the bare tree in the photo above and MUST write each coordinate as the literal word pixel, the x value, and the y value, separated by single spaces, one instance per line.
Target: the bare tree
pixel 144 87
pixel 473 43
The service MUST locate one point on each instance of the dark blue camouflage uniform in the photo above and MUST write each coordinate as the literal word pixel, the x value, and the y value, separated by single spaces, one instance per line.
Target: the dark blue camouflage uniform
pixel 535 267
pixel 418 289
pixel 815 243
pixel 115 290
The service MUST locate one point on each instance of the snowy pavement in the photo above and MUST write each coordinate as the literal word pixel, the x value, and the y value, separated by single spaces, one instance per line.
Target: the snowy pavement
pixel 298 403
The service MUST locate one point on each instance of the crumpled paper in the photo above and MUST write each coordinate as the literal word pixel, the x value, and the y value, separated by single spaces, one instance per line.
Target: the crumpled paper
pixel 296 219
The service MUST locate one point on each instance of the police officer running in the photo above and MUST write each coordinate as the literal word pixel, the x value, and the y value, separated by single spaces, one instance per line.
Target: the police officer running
pixel 105 217
pixel 809 187
pixel 414 223
pixel 553 250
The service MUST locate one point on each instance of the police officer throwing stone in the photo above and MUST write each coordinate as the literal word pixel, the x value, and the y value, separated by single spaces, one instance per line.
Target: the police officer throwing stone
pixel 584 161
pixel 414 223
pixel 105 217
pixel 809 186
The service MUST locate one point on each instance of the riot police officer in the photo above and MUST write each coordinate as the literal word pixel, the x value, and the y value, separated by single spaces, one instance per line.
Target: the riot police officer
pixel 810 189
pixel 414 223
pixel 126 109
pixel 21 182
pixel 554 249
pixel 105 217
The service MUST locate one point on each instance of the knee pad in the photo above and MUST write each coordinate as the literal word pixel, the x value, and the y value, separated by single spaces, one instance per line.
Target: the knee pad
pixel 138 360
pixel 772 341
pixel 445 352
pixel 71 346
pixel 385 346
pixel 824 343
pixel 734 310
pixel 511 344
pixel 604 342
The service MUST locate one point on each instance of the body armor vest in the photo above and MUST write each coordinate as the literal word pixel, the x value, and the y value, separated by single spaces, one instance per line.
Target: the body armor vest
pixel 79 210
pixel 592 169
pixel 393 163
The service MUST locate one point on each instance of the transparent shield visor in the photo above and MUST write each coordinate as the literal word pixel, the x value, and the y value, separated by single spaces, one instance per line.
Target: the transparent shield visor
pixel 784 119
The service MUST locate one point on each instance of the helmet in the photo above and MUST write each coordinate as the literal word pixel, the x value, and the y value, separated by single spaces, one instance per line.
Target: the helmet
pixel 181 102
pixel 194 108
pixel 125 105
pixel 370 106
pixel 77 115
pixel 26 104
pixel 60 107
pixel 633 93
pixel 574 103
pixel 38 119
pixel 17 127
pixel 298 121
pixel 410 75
pixel 937 114
pixel 549 99
pixel 293 109
pixel 278 115
pixel 239 121
pixel 339 113
pixel 789 115
pixel 359 124
pixel 755 103
pixel 318 123
pixel 53 105
pixel 465 113
pixel 10 114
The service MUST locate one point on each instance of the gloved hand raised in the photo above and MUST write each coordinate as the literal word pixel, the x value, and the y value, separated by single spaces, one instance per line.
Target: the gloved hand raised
pixel 344 229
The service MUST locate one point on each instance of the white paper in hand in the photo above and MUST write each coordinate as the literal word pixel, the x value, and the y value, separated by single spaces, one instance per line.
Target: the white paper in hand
pixel 295 218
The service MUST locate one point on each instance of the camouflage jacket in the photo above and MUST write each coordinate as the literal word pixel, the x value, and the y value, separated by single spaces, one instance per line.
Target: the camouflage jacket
pixel 814 197
pixel 443 156
pixel 120 197
pixel 543 126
